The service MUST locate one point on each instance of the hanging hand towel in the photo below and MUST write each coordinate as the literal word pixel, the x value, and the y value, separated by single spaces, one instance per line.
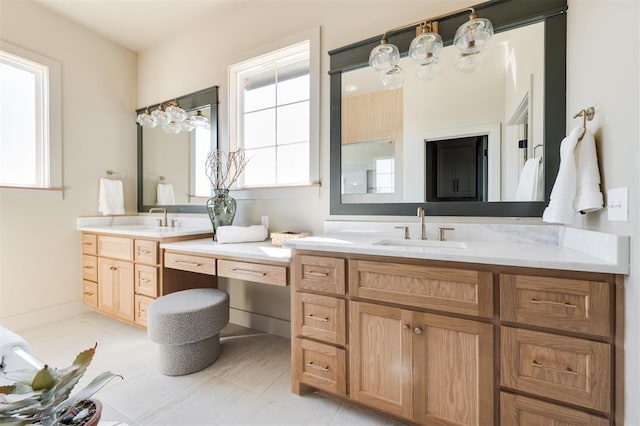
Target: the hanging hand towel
pixel 111 198
pixel 588 195
pixel 241 234
pixel 530 183
pixel 165 194
pixel 560 208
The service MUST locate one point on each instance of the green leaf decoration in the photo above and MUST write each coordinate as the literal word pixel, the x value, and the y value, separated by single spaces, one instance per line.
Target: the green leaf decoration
pixel 44 379
pixel 84 358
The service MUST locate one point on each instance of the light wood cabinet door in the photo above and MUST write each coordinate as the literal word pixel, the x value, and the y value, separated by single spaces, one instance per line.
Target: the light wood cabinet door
pixel 452 370
pixel 115 288
pixel 445 289
pixel 380 357
pixel 146 280
pixel 141 307
pixel 576 371
pixel 319 365
pixel 558 303
pixel 146 251
pixel 90 294
pixel 89 267
pixel 115 247
pixel 89 244
pixel 516 410
pixel 190 263
pixel 255 272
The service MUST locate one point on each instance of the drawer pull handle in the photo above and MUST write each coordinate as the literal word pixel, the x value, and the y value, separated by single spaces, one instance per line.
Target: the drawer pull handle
pixel 88 267
pixel 88 293
pixel 144 281
pixel 186 262
pixel 87 243
pixel 317 274
pixel 144 252
pixel 567 370
pixel 249 272
pixel 548 302
pixel 313 317
pixel 317 367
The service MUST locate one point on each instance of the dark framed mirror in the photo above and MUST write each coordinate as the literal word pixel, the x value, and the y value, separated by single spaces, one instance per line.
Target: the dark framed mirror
pixel 171 166
pixel 449 154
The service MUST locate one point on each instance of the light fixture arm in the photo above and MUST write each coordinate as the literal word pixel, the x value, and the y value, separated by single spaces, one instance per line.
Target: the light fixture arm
pixel 430 20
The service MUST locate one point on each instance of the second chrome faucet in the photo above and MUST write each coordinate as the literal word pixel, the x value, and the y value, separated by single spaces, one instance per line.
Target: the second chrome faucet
pixel 423 228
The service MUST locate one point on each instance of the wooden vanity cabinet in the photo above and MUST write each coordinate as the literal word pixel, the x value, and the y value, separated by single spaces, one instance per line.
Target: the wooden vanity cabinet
pixel 115 288
pixel 426 342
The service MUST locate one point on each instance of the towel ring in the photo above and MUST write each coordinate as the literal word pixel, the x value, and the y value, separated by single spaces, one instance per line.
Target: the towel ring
pixel 536 147
pixel 586 114
pixel 161 179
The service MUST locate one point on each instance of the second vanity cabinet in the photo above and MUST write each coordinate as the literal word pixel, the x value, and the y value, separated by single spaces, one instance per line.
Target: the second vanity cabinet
pixel 121 274
pixel 450 343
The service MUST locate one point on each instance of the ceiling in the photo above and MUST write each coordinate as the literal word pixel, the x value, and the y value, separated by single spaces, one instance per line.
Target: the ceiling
pixel 138 24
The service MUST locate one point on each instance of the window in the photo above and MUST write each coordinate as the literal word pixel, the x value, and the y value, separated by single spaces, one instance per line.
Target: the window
pixel 273 116
pixel 30 154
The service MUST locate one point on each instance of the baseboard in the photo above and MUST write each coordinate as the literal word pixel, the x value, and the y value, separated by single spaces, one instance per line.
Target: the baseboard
pixel 43 316
pixel 270 325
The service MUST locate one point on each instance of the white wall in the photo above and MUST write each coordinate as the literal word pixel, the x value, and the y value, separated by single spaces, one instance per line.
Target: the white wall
pixel 39 245
pixel 603 72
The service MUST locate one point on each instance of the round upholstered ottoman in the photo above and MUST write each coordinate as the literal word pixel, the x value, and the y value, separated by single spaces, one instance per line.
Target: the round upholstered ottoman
pixel 187 326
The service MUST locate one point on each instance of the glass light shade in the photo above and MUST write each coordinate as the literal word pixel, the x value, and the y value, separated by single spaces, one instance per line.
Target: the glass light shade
pixel 425 48
pixel 394 78
pixel 186 126
pixel 176 113
pixel 146 120
pixel 429 71
pixel 199 120
pixel 160 115
pixel 172 127
pixel 384 57
pixel 469 62
pixel 473 35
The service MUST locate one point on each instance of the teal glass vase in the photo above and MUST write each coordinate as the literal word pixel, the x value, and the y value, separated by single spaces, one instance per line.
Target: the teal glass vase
pixel 221 208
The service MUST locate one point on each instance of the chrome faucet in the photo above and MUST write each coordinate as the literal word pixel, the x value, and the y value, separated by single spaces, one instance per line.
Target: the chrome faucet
pixel 163 221
pixel 423 229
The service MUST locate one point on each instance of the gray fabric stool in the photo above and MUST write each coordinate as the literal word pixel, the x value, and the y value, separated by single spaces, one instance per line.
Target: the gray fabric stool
pixel 187 326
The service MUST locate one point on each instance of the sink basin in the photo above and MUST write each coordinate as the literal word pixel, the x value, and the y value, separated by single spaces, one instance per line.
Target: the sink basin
pixel 422 244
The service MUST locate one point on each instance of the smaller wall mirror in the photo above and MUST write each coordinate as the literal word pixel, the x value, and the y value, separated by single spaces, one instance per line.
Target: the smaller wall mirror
pixel 171 170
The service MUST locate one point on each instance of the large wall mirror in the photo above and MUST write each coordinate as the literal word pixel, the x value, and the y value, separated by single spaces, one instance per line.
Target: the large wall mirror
pixel 171 165
pixel 455 142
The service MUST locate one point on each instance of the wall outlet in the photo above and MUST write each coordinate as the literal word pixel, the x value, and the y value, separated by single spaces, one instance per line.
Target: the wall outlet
pixel 617 204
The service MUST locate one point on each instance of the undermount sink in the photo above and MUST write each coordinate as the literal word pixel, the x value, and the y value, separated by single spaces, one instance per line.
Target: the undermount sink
pixel 423 244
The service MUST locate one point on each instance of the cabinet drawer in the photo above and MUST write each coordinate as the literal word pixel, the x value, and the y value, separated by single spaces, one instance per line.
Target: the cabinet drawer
pixel 568 369
pixel 141 307
pixel 115 247
pixel 266 274
pixel 146 252
pixel 320 317
pixel 146 280
pixel 518 410
pixel 321 366
pixel 187 262
pixel 319 274
pixel 89 268
pixel 89 244
pixel 90 294
pixel 565 304
pixel 451 290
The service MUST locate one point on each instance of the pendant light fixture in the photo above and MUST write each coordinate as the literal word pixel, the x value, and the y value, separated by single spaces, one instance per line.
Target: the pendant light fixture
pixel 172 118
pixel 470 40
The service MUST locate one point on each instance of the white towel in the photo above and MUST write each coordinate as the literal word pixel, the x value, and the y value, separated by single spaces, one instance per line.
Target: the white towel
pixel 165 194
pixel 241 234
pixel 560 208
pixel 530 183
pixel 588 195
pixel 111 199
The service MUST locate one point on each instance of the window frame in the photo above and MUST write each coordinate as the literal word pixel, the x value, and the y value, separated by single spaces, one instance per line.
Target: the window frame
pixel 51 137
pixel 253 59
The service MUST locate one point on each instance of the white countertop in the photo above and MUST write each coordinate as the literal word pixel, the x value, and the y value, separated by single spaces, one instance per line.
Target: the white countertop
pixel 258 251
pixel 508 253
pixel 147 230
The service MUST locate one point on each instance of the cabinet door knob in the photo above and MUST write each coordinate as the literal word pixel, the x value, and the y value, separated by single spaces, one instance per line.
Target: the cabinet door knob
pixel 417 330
pixel 406 327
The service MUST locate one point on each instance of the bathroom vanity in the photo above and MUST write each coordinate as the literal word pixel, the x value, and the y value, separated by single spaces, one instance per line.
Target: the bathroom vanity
pixel 486 340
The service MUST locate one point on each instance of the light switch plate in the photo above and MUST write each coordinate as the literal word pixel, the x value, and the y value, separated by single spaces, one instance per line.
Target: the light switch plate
pixel 618 204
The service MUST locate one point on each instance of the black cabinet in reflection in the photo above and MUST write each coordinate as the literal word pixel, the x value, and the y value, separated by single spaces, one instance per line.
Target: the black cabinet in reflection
pixel 457 169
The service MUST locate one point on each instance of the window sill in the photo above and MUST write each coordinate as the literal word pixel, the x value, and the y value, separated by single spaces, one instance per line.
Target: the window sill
pixel 32 192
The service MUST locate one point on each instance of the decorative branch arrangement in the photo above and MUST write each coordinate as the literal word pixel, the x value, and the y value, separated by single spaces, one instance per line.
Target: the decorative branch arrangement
pixel 224 168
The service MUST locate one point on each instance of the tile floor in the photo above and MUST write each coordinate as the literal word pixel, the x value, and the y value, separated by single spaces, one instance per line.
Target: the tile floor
pixel 249 384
